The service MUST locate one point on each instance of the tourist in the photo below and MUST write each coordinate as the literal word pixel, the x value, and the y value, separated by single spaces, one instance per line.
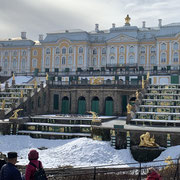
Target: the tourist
pixel 9 171
pixel 33 165
pixel 153 174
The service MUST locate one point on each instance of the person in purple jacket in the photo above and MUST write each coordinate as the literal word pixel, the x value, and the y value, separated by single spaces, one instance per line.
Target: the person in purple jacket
pixel 9 170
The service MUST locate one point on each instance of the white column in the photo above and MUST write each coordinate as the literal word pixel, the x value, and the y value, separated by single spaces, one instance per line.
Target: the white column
pixel 42 60
pixel 108 54
pixel 53 60
pixel 127 54
pixel 116 54
pixel 157 53
pixel 85 57
pixel 10 63
pixel 136 53
pixel 147 49
pixel 19 57
pixel 28 67
pixel 98 60
pixel 74 62
pixel 170 52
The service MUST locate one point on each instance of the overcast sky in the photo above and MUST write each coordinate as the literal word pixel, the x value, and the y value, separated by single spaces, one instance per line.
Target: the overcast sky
pixel 42 16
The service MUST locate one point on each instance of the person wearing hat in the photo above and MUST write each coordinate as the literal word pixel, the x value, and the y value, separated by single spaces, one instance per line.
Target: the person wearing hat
pixel 9 171
pixel 34 164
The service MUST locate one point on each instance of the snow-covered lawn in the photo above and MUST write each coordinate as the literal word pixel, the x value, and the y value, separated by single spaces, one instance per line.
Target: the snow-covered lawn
pixel 73 152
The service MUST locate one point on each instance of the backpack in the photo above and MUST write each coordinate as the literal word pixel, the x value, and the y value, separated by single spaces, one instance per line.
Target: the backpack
pixel 39 173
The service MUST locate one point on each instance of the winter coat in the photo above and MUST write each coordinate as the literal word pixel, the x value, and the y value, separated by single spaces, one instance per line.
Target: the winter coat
pixel 10 172
pixel 154 176
pixel 30 170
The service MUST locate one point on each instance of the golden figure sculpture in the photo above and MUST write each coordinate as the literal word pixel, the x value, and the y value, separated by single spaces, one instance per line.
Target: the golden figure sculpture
pixel 94 116
pixel 21 93
pixel 3 104
pixel 147 78
pixel 35 84
pixel 13 77
pixel 15 115
pixel 127 19
pixel 137 95
pixel 142 84
pixel 47 76
pixel 128 108
pixel 147 141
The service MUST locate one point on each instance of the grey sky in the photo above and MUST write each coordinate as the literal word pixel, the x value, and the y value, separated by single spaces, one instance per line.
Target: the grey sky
pixel 43 16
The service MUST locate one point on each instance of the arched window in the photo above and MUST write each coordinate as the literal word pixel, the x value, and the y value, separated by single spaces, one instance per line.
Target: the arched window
pixel 6 53
pixel 175 57
pixel 104 51
pixel 131 49
pixel 34 63
pixel 57 61
pixel 163 46
pixel 142 60
pixel 35 53
pixel 23 65
pixel 63 60
pixel 15 53
pixel 70 50
pixel 80 50
pixel 80 60
pixel 143 50
pixel 57 50
pixel 152 60
pixel 63 50
pixel 14 65
pixel 5 64
pixel 94 51
pixel 112 50
pixel 153 50
pixel 47 63
pixel 112 60
pixel 23 53
pixel 121 60
pixel 70 60
pixel 175 46
pixel 131 60
pixel 94 61
pixel 103 61
pixel 122 49
pixel 163 57
pixel 48 51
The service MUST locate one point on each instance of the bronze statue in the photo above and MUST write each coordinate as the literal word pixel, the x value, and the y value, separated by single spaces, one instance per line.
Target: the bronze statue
pixel 15 115
pixel 147 141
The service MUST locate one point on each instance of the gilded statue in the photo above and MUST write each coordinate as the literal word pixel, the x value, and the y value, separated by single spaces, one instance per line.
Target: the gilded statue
pixel 3 105
pixel 137 95
pixel 147 141
pixel 94 116
pixel 128 108
pixel 21 93
pixel 13 77
pixel 147 78
pixel 127 19
pixel 142 84
pixel 47 76
pixel 35 84
pixel 15 115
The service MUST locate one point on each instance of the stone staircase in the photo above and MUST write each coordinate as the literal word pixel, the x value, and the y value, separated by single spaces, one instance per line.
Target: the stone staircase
pixel 159 107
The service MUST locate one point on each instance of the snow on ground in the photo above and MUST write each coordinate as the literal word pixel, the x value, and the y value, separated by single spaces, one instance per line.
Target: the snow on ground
pixel 73 152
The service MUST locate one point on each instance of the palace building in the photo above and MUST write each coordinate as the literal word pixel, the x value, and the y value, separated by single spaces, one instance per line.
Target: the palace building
pixel 146 48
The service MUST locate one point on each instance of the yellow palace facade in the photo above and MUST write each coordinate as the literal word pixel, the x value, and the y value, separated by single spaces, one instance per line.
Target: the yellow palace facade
pixel 146 47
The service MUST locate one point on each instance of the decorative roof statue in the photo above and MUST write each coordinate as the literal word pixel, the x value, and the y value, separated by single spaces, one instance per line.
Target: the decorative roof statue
pixel 147 141
pixel 3 104
pixel 128 108
pixel 127 20
pixel 15 115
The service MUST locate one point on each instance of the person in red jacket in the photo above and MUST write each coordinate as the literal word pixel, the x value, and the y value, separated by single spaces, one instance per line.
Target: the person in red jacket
pixel 153 174
pixel 30 169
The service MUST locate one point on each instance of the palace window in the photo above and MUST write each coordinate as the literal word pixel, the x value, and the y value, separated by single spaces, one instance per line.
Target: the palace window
pixel 175 46
pixel 175 57
pixel 63 50
pixel 23 53
pixel 47 63
pixel 143 50
pixel 131 60
pixel 94 61
pixel 142 60
pixel 70 60
pixel 112 60
pixel 122 49
pixel 57 61
pixel 94 51
pixel 121 60
pixel 34 63
pixel 80 60
pixel 163 46
pixel 112 50
pixel 35 53
pixel 48 51
pixel 131 49
pixel 153 50
pixel 6 53
pixel 23 65
pixel 15 53
pixel 163 57
pixel 5 64
pixel 63 60
pixel 57 50
pixel 104 51
pixel 152 60
pixel 14 65
pixel 80 50
pixel 70 50
pixel 103 61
